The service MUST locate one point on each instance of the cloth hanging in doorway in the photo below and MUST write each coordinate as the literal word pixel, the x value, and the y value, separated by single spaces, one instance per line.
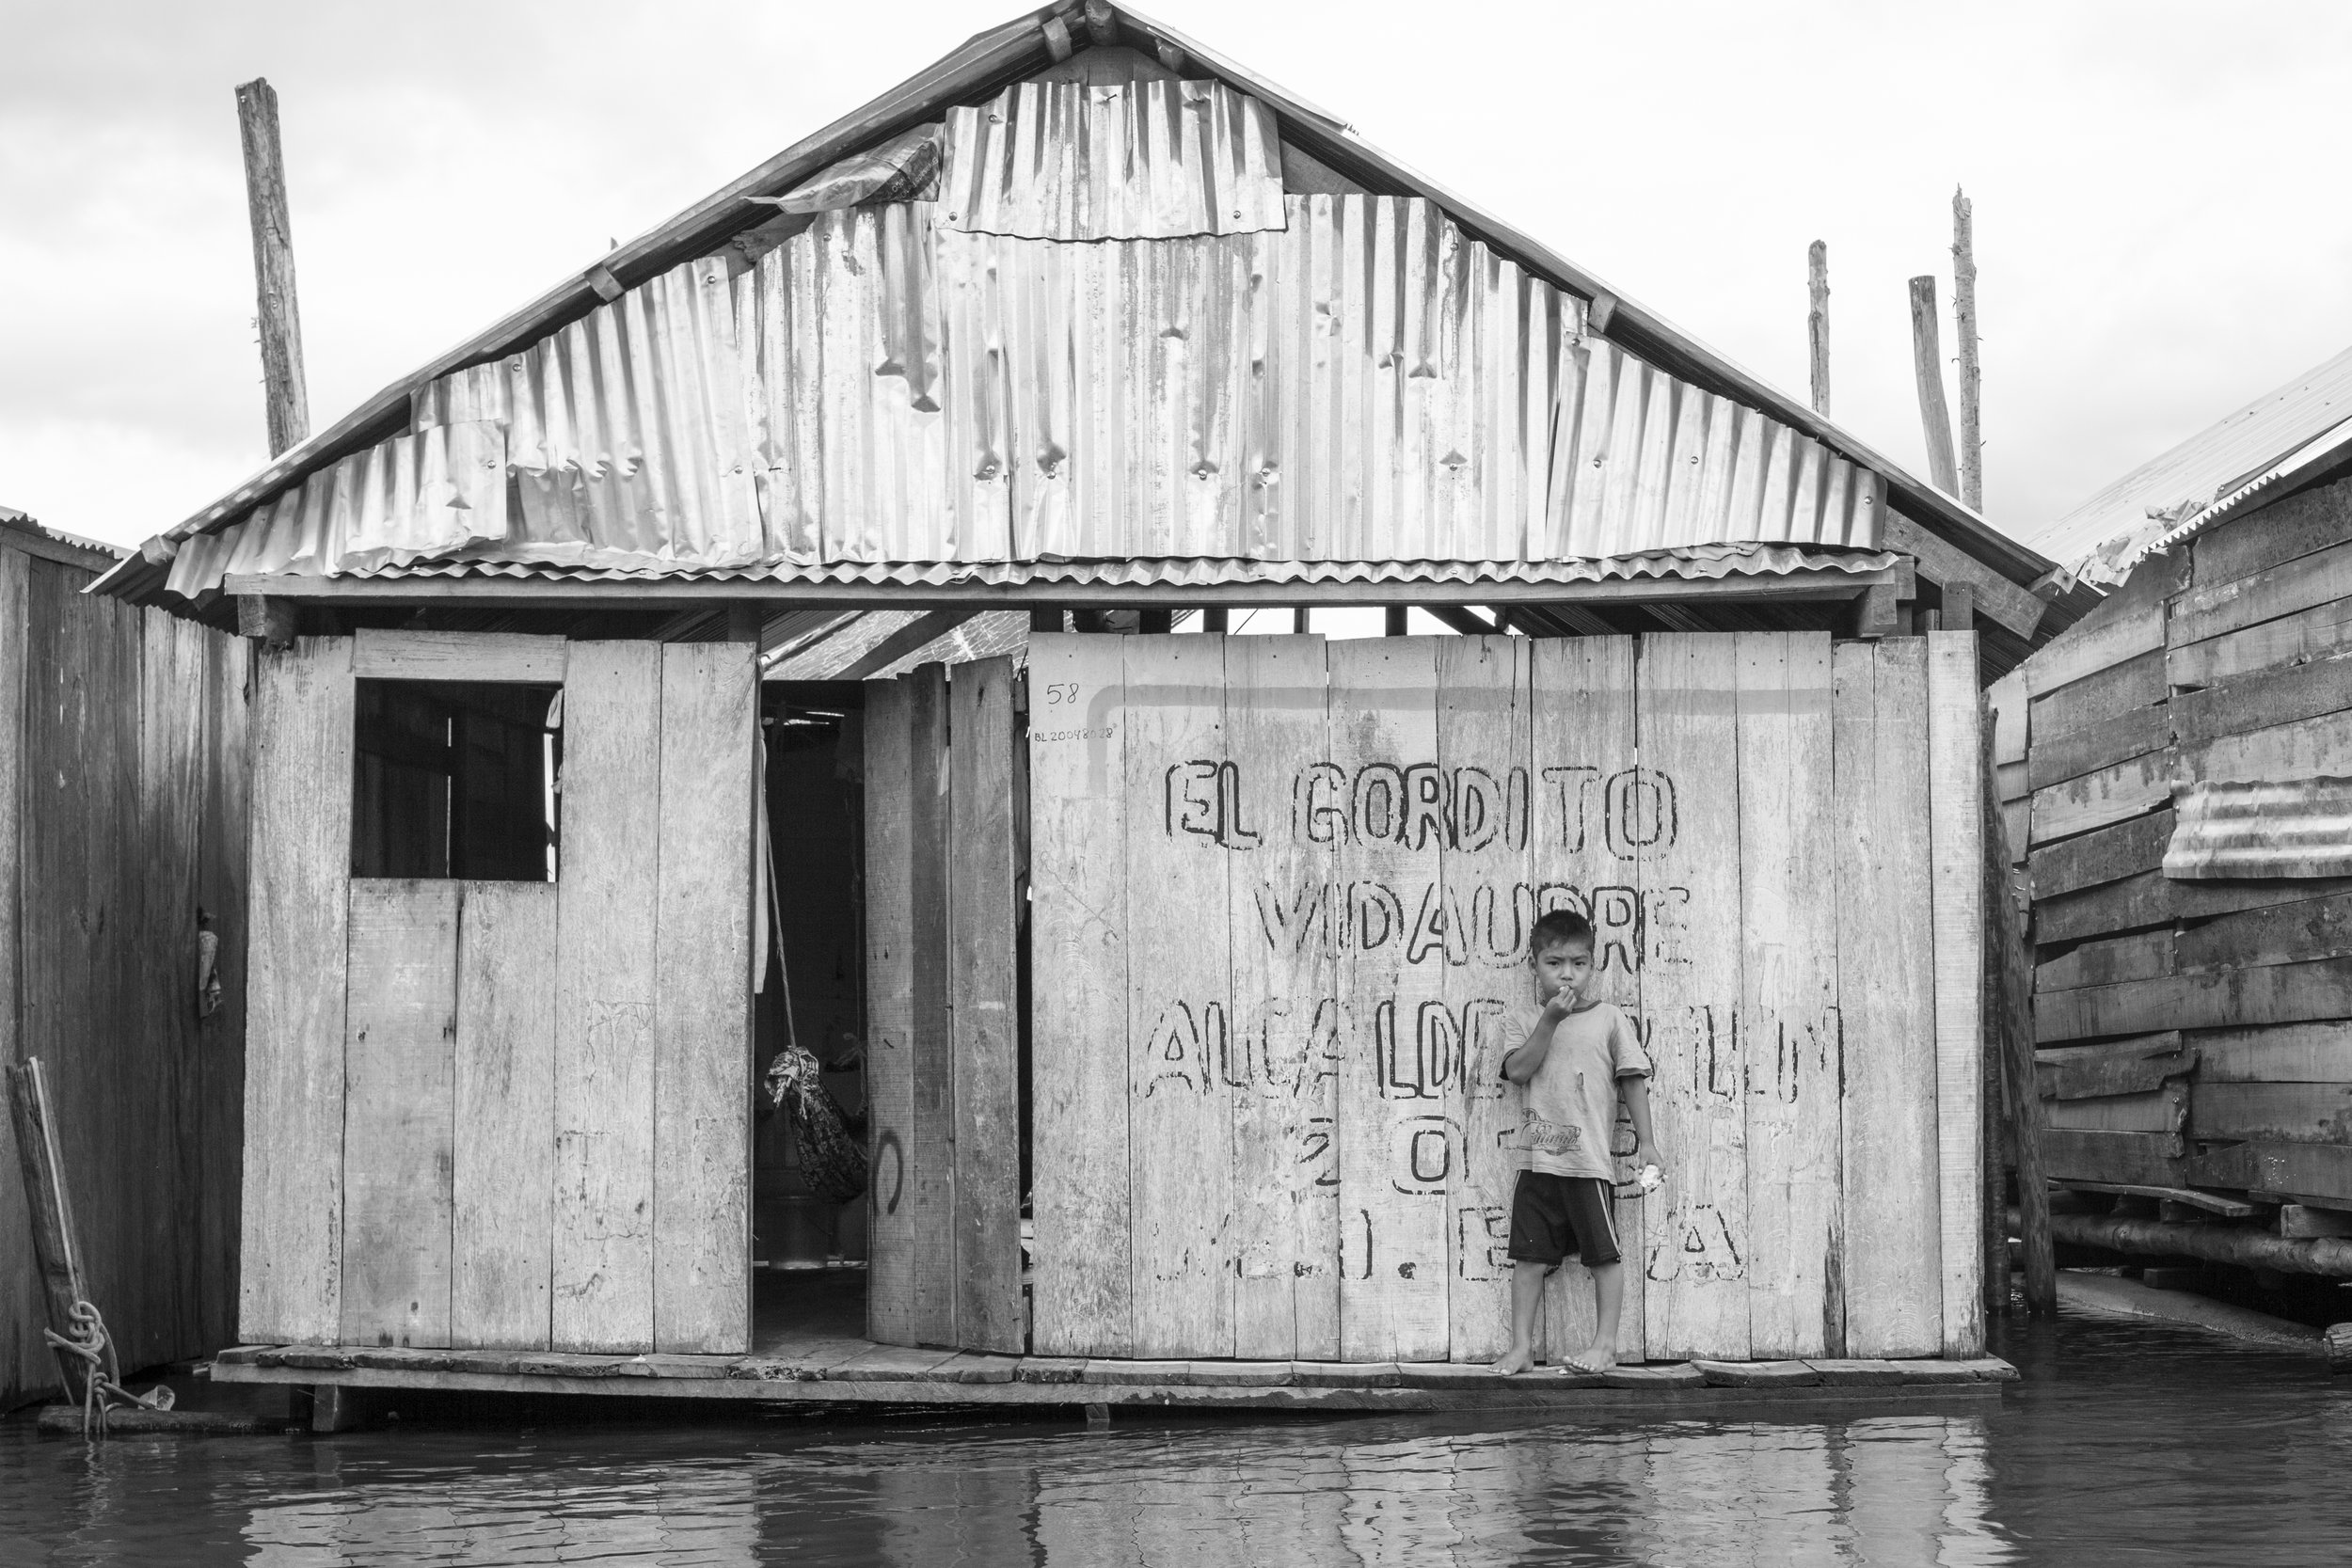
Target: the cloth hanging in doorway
pixel 831 1160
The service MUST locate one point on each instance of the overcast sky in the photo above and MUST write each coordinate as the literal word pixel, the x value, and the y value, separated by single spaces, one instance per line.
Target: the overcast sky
pixel 2161 227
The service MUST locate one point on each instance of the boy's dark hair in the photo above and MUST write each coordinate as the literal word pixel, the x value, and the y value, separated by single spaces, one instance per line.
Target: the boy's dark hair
pixel 1560 929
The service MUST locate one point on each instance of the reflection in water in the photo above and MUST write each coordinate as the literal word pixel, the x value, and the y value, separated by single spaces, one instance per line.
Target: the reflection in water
pixel 2122 1444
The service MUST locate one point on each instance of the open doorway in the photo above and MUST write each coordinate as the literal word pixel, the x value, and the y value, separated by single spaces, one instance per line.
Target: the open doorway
pixel 809 1241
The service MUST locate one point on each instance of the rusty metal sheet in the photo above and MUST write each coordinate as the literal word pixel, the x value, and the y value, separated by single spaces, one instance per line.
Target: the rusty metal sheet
pixel 1139 161
pixel 2271 828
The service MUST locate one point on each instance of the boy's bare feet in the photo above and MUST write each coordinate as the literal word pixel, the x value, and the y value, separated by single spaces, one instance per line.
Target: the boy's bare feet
pixel 1518 1359
pixel 1592 1359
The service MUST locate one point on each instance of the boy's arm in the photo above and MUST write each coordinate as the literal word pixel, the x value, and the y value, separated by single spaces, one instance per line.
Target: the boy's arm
pixel 1634 1092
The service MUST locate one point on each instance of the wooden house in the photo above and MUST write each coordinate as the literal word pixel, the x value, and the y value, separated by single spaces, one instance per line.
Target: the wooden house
pixel 2174 768
pixel 1173 958
pixel 121 818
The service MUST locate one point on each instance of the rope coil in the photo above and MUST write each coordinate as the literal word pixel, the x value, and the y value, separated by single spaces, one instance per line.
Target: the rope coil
pixel 102 1376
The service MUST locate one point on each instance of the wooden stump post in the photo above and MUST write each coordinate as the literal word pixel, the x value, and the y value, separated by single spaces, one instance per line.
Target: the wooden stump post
pixel 1927 363
pixel 1816 323
pixel 2012 979
pixel 43 1169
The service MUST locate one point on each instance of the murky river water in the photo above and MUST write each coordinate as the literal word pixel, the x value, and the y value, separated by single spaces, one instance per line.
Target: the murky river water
pixel 2124 1445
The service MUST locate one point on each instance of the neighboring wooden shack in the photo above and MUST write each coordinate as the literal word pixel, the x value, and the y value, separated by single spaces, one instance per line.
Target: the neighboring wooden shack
pixel 2175 769
pixel 121 816
pixel 1183 951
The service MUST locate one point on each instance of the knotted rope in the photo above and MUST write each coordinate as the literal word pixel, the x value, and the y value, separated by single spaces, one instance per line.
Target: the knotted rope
pixel 101 1377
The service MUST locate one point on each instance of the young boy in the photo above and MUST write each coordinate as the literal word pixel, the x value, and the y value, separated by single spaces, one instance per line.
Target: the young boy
pixel 1575 1057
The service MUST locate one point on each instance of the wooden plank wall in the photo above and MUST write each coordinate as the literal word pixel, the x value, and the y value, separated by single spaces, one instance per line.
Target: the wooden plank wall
pixel 2194 1032
pixel 944 1078
pixel 507 1114
pixel 1381 822
pixel 123 769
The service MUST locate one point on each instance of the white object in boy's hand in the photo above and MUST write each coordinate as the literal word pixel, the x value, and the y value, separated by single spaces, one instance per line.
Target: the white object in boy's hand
pixel 1650 1178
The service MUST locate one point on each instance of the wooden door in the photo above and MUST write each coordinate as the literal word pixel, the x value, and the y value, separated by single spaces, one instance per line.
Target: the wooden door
pixel 507 1114
pixel 945 847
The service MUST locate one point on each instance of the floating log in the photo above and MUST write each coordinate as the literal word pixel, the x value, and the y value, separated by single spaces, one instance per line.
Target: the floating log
pixel 2253 1249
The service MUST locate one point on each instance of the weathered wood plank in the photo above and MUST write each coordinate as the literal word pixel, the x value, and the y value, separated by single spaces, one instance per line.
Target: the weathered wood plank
pixel 2288 1053
pixel 2277 933
pixel 502 1178
pixel 2297 750
pixel 2143 1159
pixel 2136 683
pixel 1286 1018
pixel 983 1001
pixel 931 1128
pixel 890 1019
pixel 1583 738
pixel 2302 1170
pixel 1995 595
pixel 2151 899
pixel 223 890
pixel 2291 1112
pixel 1484 747
pixel 2274 534
pixel 2272 993
pixel 601 1255
pixel 2102 745
pixel 2107 855
pixel 1789 998
pixel 303 717
pixel 457 656
pixel 399 1111
pixel 2113 794
pixel 702 1019
pixel 25 1364
pixel 2119 1067
pixel 1956 837
pixel 2148 1111
pixel 2139 957
pixel 2257 701
pixel 2321 631
pixel 1082 1293
pixel 2121 628
pixel 1699 1239
pixel 2006 698
pixel 2226 606
pixel 1393 1140
pixel 1179 1031
pixel 1893 1254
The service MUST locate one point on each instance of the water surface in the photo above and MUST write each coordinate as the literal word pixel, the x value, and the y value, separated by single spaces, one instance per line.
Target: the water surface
pixel 2125 1444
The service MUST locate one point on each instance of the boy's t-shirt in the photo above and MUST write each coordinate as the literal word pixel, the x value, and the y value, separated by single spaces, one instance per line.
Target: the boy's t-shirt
pixel 1571 1103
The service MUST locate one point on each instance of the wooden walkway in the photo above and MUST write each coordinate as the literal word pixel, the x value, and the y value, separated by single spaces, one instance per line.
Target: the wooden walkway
pixel 807 1347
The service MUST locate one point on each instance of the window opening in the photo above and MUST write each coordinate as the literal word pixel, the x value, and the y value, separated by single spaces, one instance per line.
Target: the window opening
pixel 456 779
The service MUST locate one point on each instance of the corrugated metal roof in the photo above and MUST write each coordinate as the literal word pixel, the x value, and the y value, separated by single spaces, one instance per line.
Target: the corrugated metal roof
pixel 2104 537
pixel 2270 828
pixel 983 65
pixel 1367 384
pixel 1696 564
pixel 1146 161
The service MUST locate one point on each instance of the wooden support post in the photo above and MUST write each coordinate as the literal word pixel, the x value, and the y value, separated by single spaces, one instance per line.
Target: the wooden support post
pixel 1101 22
pixel 1877 613
pixel 280 319
pixel 267 621
pixel 1298 620
pixel 1965 329
pixel 1960 607
pixel 2005 906
pixel 335 1407
pixel 1927 363
pixel 1216 618
pixel 1058 41
pixel 42 1164
pixel 1816 323
pixel 1392 620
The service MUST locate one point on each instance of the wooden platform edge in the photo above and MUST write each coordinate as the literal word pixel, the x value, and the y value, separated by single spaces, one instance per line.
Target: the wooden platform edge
pixel 1895 1382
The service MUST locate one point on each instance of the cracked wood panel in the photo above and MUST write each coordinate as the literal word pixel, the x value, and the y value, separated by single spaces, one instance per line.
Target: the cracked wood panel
pixel 1788 992
pixel 399 1111
pixel 1081 1287
pixel 890 1013
pixel 602 1251
pixel 1395 1135
pixel 1285 1009
pixel 983 1000
pixel 1180 1038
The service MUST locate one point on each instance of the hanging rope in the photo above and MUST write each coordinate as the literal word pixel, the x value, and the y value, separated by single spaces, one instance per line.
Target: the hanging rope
pixel 101 1378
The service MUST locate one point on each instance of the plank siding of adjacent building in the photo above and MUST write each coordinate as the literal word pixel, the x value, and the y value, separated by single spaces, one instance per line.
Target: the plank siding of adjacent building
pixel 2249 980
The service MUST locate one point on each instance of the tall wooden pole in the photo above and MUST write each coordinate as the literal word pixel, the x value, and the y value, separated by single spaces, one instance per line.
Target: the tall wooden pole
pixel 1927 359
pixel 1964 327
pixel 272 267
pixel 2011 1027
pixel 1816 323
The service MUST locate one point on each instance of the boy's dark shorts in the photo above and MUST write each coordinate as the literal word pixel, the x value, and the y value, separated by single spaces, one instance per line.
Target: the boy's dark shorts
pixel 1552 1216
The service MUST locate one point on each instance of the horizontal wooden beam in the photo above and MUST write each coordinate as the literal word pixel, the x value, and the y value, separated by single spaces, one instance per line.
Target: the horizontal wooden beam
pixel 1995 597
pixel 553 594
pixel 457 656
